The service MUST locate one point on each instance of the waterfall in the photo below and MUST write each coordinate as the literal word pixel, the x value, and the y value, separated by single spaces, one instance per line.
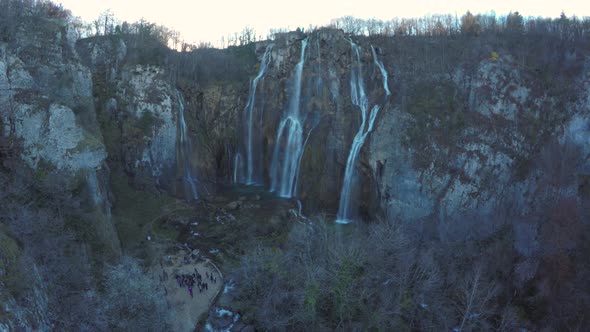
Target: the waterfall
pixel 285 168
pixel 249 114
pixel 360 100
pixel 184 148
pixel 379 64
pixel 97 193
pixel 237 165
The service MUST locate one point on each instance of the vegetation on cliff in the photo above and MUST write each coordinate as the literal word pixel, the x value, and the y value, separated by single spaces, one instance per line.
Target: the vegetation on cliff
pixel 489 114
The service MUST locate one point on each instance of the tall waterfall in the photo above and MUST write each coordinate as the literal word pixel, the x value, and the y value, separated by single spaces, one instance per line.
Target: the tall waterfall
pixel 184 148
pixel 285 166
pixel 360 100
pixel 251 178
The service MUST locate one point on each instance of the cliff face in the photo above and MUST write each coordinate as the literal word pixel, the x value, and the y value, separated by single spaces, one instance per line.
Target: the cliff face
pixel 137 109
pixel 455 139
pixel 324 112
pixel 486 150
pixel 147 107
pixel 446 143
pixel 46 104
pixel 49 101
pixel 472 133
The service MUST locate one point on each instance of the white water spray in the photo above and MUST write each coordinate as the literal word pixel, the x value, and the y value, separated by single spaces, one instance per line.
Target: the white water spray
pixel 249 112
pixel 237 165
pixel 381 67
pixel 184 149
pixel 285 166
pixel 360 100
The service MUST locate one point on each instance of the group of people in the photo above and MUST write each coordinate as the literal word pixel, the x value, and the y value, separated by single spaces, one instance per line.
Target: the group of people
pixel 189 280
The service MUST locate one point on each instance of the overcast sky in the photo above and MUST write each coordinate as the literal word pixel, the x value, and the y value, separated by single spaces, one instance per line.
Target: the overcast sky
pixel 209 20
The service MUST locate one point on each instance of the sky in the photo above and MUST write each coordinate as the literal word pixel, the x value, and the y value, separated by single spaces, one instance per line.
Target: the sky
pixel 199 20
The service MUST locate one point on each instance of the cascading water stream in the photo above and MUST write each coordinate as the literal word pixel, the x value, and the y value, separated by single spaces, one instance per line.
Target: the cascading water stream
pixel 237 165
pixel 284 170
pixel 184 149
pixel 249 112
pixel 360 100
pixel 315 124
pixel 379 64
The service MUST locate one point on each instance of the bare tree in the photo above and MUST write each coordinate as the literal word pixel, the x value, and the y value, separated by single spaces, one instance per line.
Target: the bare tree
pixel 476 300
pixel 134 301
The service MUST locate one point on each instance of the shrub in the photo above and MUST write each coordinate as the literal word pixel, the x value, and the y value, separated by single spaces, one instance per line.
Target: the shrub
pixel 133 301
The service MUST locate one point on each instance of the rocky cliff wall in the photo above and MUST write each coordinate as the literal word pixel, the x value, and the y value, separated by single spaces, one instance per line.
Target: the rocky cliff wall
pixel 462 134
pixel 464 125
pixel 473 134
pixel 473 143
pixel 444 144
pixel 46 105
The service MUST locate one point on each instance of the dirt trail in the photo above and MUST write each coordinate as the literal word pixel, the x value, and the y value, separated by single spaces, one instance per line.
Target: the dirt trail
pixel 186 310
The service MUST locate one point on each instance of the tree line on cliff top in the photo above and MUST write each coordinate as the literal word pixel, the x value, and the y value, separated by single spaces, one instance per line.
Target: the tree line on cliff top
pixel 13 12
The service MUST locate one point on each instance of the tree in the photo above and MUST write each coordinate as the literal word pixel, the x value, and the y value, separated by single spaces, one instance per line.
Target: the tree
pixel 476 301
pixel 514 23
pixel 469 24
pixel 134 301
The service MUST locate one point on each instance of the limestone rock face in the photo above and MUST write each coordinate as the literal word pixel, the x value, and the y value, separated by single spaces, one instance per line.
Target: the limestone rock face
pixel 214 111
pixel 49 105
pixel 497 89
pixel 398 182
pixel 138 109
pixel 485 161
pixel 447 141
pixel 54 137
pixel 448 144
pixel 46 103
pixel 56 123
pixel 150 121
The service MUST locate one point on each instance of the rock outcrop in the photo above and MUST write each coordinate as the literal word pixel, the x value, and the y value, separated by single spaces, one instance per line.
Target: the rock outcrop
pixel 46 104
pixel 450 144
pixel 443 145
